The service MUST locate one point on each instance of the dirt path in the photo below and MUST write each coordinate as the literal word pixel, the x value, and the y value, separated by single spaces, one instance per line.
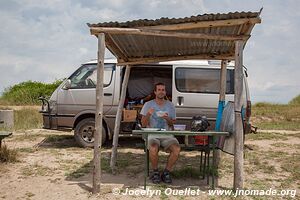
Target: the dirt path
pixel 52 166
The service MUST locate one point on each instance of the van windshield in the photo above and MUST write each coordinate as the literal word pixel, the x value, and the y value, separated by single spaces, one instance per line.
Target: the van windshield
pixel 86 76
pixel 197 80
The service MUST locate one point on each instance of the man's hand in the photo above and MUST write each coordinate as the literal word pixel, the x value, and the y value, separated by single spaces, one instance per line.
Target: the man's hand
pixel 168 119
pixel 150 111
pixel 145 119
pixel 165 116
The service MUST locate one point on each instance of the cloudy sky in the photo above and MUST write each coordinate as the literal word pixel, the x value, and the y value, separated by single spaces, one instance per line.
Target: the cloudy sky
pixel 45 40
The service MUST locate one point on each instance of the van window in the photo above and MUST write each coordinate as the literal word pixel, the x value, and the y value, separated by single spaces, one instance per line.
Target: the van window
pixel 195 80
pixel 86 76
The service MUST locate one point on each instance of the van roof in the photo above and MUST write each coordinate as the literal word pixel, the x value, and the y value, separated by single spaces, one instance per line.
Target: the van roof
pixel 177 62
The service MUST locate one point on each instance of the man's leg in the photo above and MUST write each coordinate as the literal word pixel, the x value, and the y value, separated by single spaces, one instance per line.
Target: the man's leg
pixel 153 155
pixel 174 149
pixel 173 157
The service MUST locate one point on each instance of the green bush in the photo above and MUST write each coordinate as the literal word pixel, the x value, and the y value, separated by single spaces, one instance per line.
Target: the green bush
pixel 27 93
pixel 295 101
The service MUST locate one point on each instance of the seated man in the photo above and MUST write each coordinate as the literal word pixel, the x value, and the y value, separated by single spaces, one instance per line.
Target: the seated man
pixel 160 113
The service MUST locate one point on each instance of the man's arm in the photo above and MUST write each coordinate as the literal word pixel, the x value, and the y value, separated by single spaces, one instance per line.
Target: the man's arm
pixel 146 114
pixel 145 120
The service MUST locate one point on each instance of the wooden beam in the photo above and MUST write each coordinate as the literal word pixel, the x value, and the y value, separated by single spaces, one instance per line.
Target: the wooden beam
pixel 238 134
pixel 223 80
pixel 118 119
pixel 136 61
pixel 115 47
pixel 222 94
pixel 158 33
pixel 99 115
pixel 204 24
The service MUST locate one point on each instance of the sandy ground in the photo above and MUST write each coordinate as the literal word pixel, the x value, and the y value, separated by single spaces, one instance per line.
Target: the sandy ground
pixel 52 166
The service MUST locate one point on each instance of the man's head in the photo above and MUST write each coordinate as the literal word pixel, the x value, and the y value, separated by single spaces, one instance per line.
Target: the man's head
pixel 160 90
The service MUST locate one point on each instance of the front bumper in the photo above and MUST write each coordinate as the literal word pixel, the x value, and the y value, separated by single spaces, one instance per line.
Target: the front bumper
pixel 49 121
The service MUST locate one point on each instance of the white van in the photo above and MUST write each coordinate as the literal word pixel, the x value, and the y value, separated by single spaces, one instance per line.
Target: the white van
pixel 192 86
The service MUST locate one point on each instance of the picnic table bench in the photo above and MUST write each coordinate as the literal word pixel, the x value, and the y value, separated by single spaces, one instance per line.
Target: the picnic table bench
pixel 4 134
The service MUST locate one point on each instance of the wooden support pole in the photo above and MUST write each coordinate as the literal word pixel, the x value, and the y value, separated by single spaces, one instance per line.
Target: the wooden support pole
pixel 217 153
pixel 223 80
pixel 118 119
pixel 222 93
pixel 99 115
pixel 239 143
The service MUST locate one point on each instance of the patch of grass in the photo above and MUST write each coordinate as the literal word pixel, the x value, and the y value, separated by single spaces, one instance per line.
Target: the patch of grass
pixel 267 155
pixel 8 155
pixel 276 111
pixel 281 125
pixel 37 170
pixel 29 194
pixel 81 171
pixel 267 168
pixel 60 142
pixel 27 118
pixel 27 137
pixel 291 164
pixel 296 135
pixel 77 169
pixel 254 163
pixel 226 164
pixel 286 183
pixel 251 162
pixel 126 162
pixel 187 172
pixel 105 164
pixel 276 116
pixel 58 138
pixel 280 144
pixel 266 136
pixel 27 149
pixel 259 184
pixel 162 187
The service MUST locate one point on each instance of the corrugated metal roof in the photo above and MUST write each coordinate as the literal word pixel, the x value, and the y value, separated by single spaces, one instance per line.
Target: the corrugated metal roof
pixel 170 21
pixel 208 36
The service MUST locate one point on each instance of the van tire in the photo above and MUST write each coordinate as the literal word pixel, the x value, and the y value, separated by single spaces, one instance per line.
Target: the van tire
pixel 84 132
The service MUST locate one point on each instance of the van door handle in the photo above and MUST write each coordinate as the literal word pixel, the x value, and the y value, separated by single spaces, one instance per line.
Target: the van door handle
pixel 107 94
pixel 180 100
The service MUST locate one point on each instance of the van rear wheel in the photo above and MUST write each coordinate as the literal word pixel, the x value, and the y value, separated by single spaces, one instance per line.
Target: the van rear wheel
pixel 84 132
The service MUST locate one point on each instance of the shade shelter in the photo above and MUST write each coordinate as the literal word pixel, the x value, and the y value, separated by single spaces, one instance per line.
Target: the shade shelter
pixel 209 36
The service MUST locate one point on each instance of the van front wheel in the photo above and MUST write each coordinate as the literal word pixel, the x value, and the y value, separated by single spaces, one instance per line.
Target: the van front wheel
pixel 84 132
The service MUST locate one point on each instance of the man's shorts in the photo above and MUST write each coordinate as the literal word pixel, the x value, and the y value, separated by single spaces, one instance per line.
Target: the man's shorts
pixel 164 142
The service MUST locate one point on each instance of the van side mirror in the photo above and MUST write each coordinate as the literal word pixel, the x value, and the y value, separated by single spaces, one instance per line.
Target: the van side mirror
pixel 246 71
pixel 67 85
